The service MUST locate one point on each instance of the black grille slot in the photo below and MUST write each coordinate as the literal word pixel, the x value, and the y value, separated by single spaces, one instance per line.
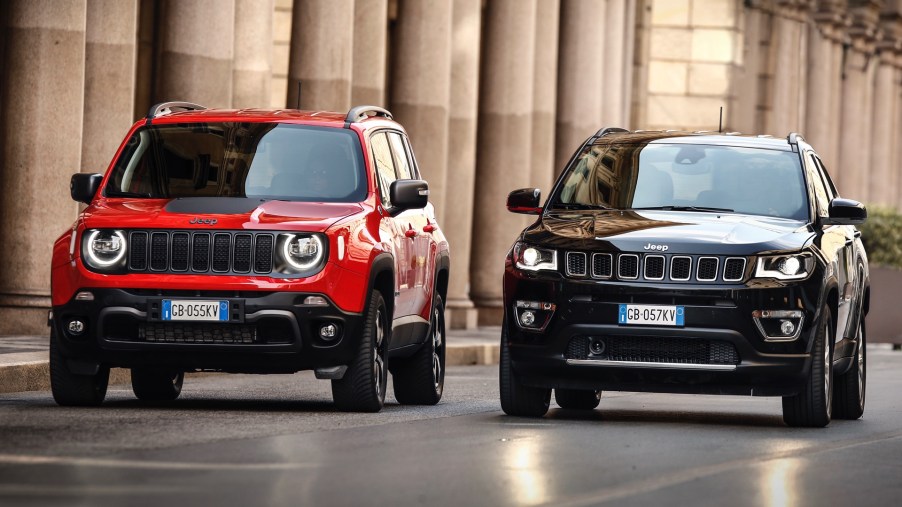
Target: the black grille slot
pixel 707 269
pixel 654 267
pixel 137 257
pixel 180 250
pixel 242 259
pixel 200 255
pixel 733 269
pixel 263 253
pixel 159 251
pixel 628 266
pixel 680 268
pixel 576 264
pixel 578 348
pixel 602 265
pixel 221 243
pixel 177 332
pixel 653 349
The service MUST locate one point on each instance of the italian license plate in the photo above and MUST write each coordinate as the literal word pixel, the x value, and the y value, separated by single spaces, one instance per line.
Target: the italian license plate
pixel 651 315
pixel 216 311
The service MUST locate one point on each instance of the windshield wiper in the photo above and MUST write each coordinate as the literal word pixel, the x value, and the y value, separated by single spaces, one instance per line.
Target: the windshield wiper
pixel 578 205
pixel 686 208
pixel 118 193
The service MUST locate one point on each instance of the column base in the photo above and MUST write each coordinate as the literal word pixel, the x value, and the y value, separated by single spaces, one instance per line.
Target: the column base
pixel 490 315
pixel 461 314
pixel 23 321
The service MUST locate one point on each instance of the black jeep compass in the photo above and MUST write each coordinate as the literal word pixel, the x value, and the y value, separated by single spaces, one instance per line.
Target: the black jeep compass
pixel 688 263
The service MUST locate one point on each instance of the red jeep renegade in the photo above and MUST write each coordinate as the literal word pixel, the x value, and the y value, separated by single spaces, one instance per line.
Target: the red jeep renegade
pixel 253 241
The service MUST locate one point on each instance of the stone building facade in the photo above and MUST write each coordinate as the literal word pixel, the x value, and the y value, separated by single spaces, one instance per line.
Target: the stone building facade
pixel 496 94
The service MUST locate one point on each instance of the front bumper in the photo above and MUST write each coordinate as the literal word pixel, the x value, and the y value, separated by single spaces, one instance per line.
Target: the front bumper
pixel 718 350
pixel 267 332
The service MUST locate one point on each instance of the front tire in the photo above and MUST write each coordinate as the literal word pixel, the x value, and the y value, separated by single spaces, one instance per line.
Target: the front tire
pixel 576 399
pixel 71 390
pixel 813 405
pixel 849 388
pixel 154 384
pixel 362 389
pixel 420 379
pixel 516 398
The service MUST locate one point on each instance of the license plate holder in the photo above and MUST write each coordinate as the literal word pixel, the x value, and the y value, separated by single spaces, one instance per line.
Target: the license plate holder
pixel 651 315
pixel 188 310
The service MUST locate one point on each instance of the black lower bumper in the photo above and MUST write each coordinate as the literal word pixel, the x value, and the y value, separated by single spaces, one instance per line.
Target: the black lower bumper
pixel 267 332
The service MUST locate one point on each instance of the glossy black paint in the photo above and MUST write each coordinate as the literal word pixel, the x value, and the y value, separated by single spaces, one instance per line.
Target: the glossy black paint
pixel 714 310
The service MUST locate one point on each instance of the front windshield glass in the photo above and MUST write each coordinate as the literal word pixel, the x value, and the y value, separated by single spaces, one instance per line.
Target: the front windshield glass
pixel 259 160
pixel 688 177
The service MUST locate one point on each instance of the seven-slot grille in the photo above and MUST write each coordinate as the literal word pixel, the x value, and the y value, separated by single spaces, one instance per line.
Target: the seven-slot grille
pixel 656 267
pixel 200 252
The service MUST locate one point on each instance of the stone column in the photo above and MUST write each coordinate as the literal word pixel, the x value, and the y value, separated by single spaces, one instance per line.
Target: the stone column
pixel 40 147
pixel 110 54
pixel 369 57
pixel 825 76
pixel 857 105
pixel 881 174
pixel 629 52
pixel 504 147
pixel 252 70
pixel 746 87
pixel 789 52
pixel 197 51
pixel 460 312
pixel 421 75
pixel 579 105
pixel 545 96
pixel 322 48
pixel 613 68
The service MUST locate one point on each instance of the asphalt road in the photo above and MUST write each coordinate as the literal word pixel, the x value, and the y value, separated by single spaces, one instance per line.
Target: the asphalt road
pixel 248 440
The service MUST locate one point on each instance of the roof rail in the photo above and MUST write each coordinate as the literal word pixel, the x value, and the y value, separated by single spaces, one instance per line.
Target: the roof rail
pixel 610 130
pixel 358 113
pixel 167 108
pixel 793 139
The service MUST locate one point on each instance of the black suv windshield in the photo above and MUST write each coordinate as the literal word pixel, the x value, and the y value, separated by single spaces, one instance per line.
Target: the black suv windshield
pixel 260 160
pixel 686 177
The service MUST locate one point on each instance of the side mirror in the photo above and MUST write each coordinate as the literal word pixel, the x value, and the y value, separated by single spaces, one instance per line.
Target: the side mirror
pixel 845 212
pixel 408 194
pixel 83 187
pixel 525 201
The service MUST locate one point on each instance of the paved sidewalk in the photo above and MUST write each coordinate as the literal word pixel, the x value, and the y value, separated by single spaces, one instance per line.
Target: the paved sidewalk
pixel 24 364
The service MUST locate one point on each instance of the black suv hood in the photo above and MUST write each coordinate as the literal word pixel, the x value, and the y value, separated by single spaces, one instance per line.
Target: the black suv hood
pixel 679 232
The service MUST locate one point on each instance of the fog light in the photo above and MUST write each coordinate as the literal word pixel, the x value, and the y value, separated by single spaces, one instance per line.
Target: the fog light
pixel 787 327
pixel 328 332
pixel 527 318
pixel 596 347
pixel 76 327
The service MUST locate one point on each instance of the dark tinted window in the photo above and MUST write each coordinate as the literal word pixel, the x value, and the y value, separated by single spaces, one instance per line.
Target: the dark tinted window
pixel 629 176
pixel 264 160
pixel 385 166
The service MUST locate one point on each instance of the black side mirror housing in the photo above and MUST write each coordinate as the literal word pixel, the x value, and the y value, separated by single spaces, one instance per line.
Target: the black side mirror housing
pixel 83 187
pixel 408 194
pixel 845 212
pixel 525 201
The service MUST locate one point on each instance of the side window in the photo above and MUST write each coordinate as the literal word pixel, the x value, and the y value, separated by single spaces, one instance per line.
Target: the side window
pixel 402 161
pixel 414 168
pixel 385 167
pixel 828 183
pixel 816 184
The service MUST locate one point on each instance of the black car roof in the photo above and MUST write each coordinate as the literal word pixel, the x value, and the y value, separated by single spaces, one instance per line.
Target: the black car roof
pixel 706 138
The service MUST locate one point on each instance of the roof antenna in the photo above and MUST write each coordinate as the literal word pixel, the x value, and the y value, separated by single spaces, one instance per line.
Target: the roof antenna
pixel 299 94
pixel 719 125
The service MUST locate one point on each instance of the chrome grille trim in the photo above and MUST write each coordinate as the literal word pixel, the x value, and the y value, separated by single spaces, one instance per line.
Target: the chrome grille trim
pixel 576 258
pixel 663 267
pixel 741 271
pixel 698 269
pixel 688 275
pixel 620 274
pixel 599 257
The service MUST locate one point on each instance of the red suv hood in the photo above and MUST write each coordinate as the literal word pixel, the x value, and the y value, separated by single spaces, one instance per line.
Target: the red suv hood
pixel 216 213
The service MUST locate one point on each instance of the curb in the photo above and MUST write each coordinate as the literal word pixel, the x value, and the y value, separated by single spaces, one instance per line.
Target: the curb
pixel 32 372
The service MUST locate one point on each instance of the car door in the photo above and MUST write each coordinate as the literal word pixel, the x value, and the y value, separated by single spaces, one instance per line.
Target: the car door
pixel 421 226
pixel 834 242
pixel 398 227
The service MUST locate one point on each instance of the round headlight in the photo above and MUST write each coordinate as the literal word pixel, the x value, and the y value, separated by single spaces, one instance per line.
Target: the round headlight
pixel 530 256
pixel 302 252
pixel 790 266
pixel 105 248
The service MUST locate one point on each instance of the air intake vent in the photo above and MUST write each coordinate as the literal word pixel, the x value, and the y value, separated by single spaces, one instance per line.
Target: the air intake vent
pixel 707 269
pixel 200 258
pixel 180 250
pixel 159 251
pixel 602 265
pixel 628 267
pixel 576 264
pixel 680 268
pixel 137 258
pixel 654 267
pixel 734 269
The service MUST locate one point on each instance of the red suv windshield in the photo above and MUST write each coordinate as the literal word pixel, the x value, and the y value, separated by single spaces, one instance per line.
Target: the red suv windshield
pixel 259 160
